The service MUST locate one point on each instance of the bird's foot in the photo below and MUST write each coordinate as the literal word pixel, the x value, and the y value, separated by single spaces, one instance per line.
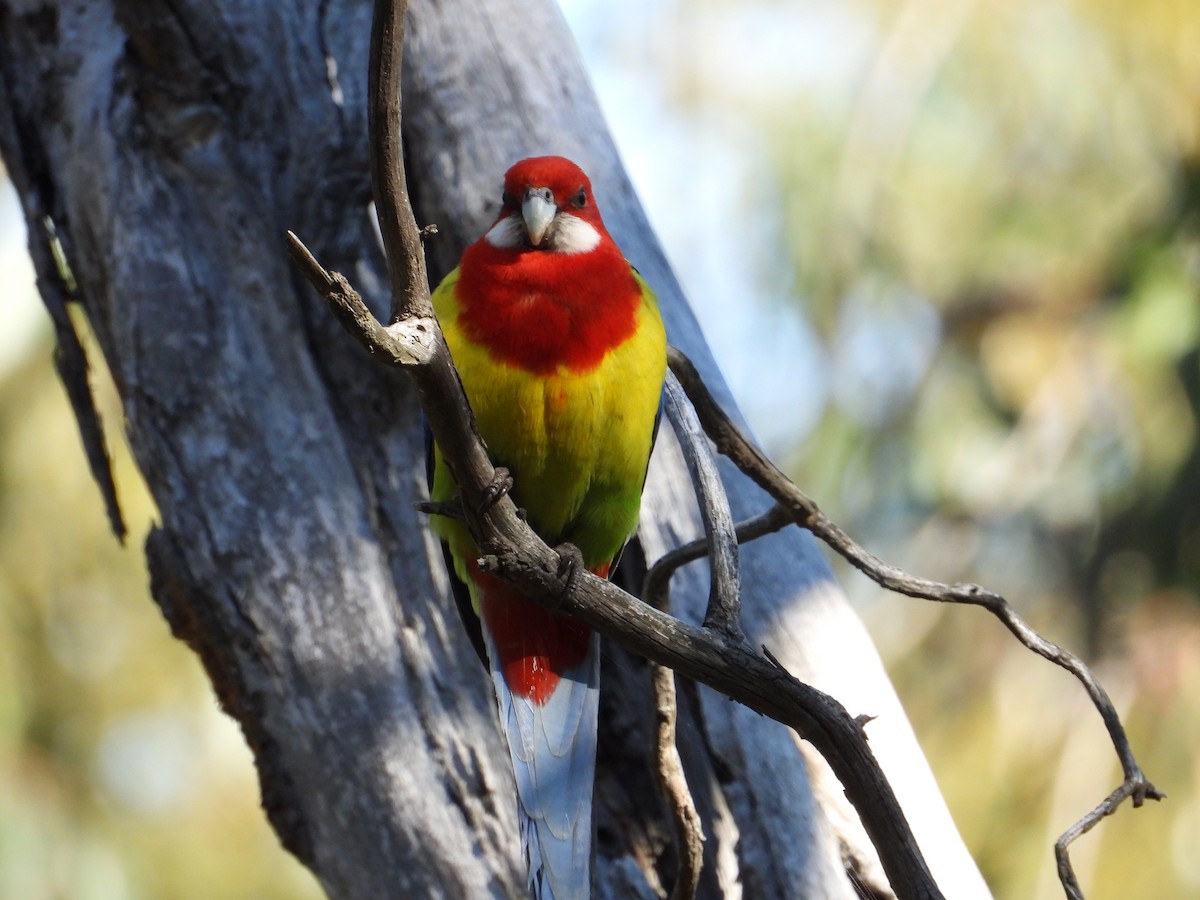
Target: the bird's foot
pixel 502 483
pixel 570 569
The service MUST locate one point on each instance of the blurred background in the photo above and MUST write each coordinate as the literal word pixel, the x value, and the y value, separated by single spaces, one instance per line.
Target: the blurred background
pixel 948 255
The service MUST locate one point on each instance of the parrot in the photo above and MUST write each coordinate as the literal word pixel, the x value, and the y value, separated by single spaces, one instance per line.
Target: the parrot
pixel 561 351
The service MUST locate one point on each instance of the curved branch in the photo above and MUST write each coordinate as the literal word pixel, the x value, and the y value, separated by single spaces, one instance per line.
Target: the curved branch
pixel 402 243
pixel 735 670
pixel 657 580
pixel 732 443
pixel 672 782
pixel 724 595
pixel 1106 807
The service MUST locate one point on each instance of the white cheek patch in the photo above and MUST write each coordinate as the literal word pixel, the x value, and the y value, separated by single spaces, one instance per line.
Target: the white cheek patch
pixel 568 234
pixel 571 234
pixel 509 232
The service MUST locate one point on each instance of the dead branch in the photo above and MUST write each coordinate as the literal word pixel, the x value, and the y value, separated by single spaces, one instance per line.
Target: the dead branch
pixel 732 443
pixel 672 783
pixel 403 243
pixel 655 584
pixel 724 595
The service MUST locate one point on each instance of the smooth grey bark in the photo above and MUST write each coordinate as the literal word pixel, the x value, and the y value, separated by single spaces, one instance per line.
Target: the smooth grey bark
pixel 171 143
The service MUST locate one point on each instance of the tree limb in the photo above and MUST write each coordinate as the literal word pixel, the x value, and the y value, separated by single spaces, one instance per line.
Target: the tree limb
pixel 672 784
pixel 733 443
pixel 655 584
pixel 724 595
pixel 402 240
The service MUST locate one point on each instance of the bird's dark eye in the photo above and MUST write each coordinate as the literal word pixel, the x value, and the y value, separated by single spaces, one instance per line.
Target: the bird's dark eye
pixel 506 199
pixel 579 200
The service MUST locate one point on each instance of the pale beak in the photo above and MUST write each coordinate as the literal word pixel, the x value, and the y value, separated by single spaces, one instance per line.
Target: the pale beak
pixel 538 211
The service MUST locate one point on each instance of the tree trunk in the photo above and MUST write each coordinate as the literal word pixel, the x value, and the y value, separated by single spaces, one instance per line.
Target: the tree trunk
pixel 170 145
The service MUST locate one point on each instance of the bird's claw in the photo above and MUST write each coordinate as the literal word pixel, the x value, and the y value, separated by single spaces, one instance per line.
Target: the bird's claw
pixel 570 569
pixel 501 484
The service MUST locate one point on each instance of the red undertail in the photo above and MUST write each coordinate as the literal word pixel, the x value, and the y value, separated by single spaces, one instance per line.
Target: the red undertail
pixel 535 646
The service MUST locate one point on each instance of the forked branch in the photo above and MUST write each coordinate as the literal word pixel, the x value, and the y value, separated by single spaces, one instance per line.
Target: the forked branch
pixel 731 442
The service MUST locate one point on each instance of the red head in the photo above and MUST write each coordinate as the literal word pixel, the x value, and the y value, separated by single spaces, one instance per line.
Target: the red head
pixel 546 287
pixel 547 205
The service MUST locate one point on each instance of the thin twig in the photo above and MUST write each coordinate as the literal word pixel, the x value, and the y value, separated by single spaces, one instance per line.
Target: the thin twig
pixel 1106 807
pixel 672 781
pixel 731 442
pixel 447 510
pixel 402 240
pixel 720 545
pixel 413 339
pixel 724 594
pixel 408 342
pixel 657 580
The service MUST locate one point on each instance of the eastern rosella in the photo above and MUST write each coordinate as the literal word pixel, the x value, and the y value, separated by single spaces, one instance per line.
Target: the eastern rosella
pixel 562 354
